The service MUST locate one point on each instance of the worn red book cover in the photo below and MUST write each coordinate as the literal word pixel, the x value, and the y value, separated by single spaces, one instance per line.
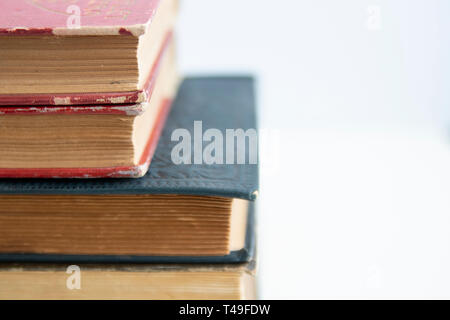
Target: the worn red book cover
pixel 101 105
pixel 130 109
pixel 109 172
pixel 99 17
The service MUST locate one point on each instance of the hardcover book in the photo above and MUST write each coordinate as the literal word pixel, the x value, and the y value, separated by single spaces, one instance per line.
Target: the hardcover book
pixel 80 53
pixel 137 282
pixel 191 212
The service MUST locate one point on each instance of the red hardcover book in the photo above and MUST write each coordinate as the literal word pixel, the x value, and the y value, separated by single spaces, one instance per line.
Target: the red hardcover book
pixel 38 17
pixel 160 87
pixel 83 52
pixel 135 171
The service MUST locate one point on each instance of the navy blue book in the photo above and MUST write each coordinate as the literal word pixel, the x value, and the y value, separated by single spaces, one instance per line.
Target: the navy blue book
pixel 195 205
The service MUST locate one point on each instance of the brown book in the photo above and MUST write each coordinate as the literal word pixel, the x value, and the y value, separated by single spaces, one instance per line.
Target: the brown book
pixel 137 282
pixel 122 225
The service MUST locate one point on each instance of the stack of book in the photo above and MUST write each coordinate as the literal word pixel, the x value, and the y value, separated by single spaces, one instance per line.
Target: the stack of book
pixel 118 180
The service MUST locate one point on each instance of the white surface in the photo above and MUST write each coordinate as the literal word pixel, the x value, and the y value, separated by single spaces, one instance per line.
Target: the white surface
pixel 355 179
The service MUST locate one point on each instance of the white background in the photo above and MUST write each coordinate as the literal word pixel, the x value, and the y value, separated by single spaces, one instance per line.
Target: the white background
pixel 355 112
